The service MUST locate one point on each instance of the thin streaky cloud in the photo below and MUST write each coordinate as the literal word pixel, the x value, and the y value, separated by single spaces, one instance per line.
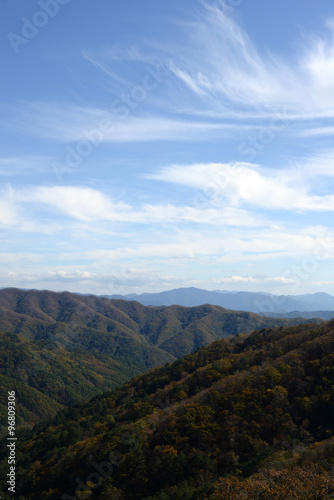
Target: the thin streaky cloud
pixel 215 60
pixel 25 165
pixel 223 61
pixel 67 124
pixel 103 66
pixel 319 131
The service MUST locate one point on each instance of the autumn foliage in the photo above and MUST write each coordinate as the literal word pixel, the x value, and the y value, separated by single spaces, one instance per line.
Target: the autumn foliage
pixel 296 483
pixel 248 417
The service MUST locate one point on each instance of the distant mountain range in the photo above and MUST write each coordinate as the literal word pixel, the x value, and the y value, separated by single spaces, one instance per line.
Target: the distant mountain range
pixel 320 304
pixel 58 349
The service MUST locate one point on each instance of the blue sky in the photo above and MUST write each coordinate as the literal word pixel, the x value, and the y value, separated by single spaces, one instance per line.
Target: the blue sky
pixel 154 145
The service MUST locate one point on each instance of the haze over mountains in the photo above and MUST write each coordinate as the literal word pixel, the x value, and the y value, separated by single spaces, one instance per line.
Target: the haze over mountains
pixel 260 303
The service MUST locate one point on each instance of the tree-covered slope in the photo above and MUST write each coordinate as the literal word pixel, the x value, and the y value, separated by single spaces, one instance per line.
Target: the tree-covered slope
pixel 47 377
pixel 58 349
pixel 231 410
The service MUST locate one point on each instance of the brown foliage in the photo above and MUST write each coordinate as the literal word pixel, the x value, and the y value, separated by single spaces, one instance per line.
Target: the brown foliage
pixel 307 483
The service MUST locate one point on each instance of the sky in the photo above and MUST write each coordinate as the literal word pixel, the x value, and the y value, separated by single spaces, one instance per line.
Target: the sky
pixel 152 145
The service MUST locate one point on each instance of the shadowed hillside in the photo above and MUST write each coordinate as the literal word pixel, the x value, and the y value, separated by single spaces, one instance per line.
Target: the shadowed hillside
pixel 246 409
pixel 58 349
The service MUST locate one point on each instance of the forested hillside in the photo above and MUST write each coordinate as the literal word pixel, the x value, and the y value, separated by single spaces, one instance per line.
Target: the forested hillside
pixel 58 349
pixel 248 417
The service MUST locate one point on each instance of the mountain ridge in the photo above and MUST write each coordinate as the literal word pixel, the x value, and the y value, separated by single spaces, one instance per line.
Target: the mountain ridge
pixel 254 410
pixel 257 302
pixel 67 347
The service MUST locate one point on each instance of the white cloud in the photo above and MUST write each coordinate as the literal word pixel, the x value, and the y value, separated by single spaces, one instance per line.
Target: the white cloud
pixel 317 131
pixel 118 124
pixel 215 72
pixel 225 246
pixel 222 66
pixel 84 204
pixel 320 166
pixel 319 59
pixel 265 280
pixel 70 275
pixel 218 193
pixel 200 213
pixel 212 253
pixel 321 283
pixel 245 183
pixel 118 53
pixel 23 165
pixel 16 257
pixel 10 214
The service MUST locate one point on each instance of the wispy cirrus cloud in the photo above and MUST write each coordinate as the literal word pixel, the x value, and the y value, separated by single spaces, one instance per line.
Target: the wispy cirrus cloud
pixel 317 131
pixel 117 52
pixel 317 166
pixel 223 67
pixel 178 107
pixel 182 247
pixel 218 81
pixel 23 165
pixel 63 123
